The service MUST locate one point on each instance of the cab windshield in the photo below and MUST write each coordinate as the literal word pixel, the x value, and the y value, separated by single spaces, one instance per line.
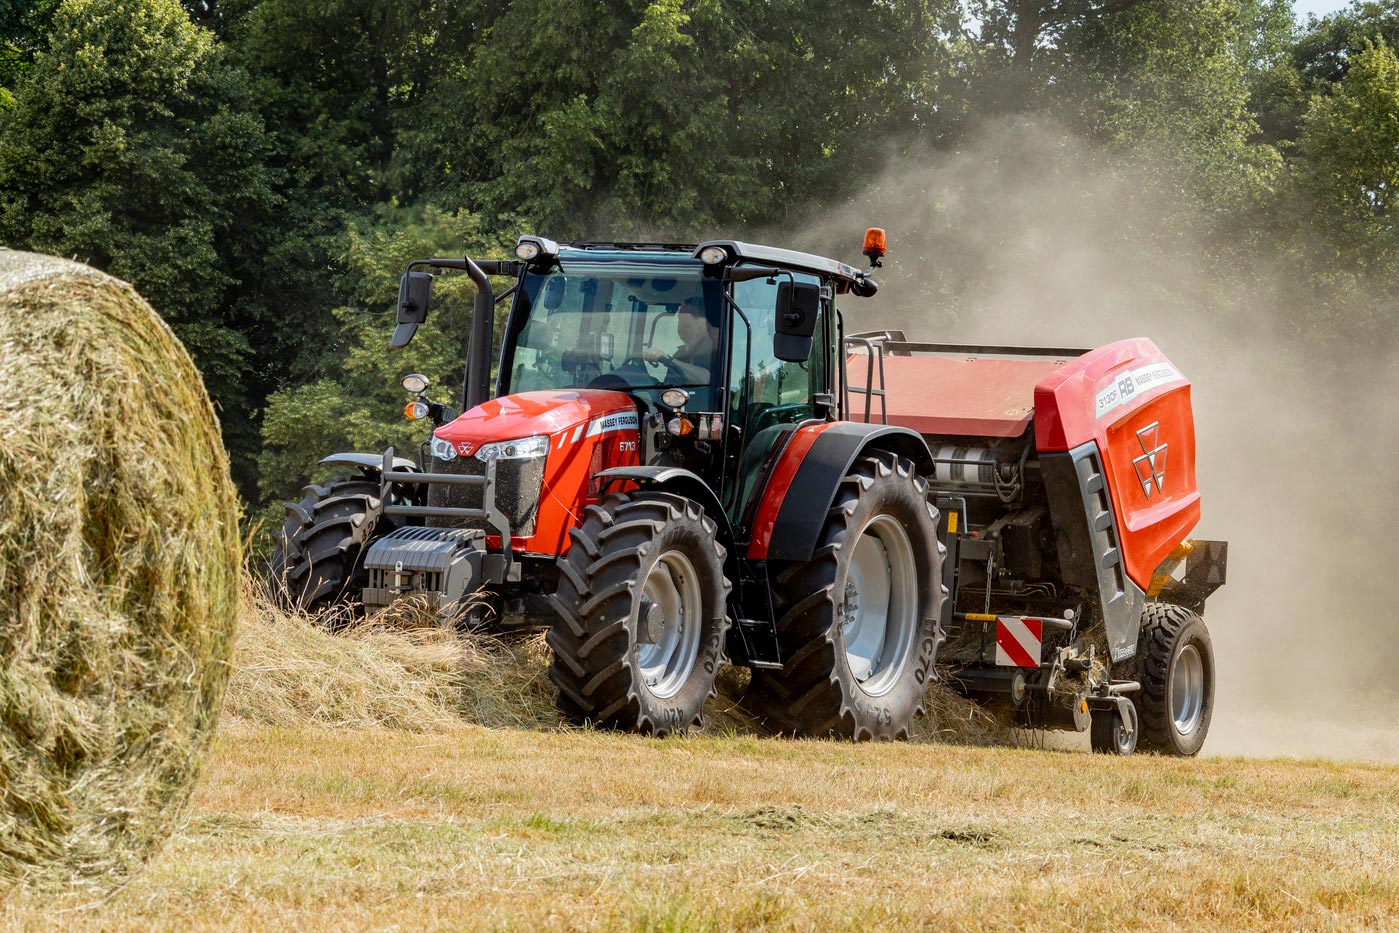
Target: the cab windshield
pixel 627 324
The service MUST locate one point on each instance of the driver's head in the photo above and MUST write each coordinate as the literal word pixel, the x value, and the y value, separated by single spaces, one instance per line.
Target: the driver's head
pixel 693 322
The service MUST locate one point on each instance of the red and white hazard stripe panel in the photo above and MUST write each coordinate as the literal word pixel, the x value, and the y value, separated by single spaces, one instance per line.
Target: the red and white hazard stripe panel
pixel 1018 641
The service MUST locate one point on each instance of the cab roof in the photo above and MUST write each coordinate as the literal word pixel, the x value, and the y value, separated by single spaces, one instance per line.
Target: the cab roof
pixel 738 251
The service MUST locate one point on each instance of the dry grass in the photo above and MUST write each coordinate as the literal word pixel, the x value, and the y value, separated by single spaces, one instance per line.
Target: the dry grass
pixel 479 828
pixel 119 573
pixel 402 670
pixel 316 814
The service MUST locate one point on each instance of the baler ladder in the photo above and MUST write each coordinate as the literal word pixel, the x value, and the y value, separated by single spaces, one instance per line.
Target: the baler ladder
pixel 873 345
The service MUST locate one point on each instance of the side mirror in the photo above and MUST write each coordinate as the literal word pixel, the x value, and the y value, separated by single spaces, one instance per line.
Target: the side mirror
pixel 798 305
pixel 553 292
pixel 414 297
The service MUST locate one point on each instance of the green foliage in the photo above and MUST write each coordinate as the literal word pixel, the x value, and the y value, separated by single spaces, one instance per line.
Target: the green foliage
pixel 667 118
pixel 359 405
pixel 131 145
pixel 1348 154
pixel 1171 79
pixel 24 27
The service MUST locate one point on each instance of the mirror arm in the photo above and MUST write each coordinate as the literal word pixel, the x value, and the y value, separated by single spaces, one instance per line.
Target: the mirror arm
pixel 501 267
pixel 749 273
pixel 507 293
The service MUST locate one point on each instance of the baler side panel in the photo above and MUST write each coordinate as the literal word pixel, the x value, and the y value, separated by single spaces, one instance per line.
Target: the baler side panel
pixel 1132 402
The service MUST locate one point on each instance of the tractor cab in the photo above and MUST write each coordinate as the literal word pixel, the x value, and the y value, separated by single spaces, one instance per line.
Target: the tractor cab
pixel 696 359
pixel 722 347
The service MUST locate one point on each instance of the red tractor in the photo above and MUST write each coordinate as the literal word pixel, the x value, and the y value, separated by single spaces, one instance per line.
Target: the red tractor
pixel 688 462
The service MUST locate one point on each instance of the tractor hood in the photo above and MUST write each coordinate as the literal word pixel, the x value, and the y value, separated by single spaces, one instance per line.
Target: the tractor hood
pixel 564 415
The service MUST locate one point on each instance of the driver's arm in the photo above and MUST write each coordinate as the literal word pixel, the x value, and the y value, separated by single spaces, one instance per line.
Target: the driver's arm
pixel 689 372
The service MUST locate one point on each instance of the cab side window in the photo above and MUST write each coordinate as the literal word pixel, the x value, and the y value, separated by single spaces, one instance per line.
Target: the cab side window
pixel 773 382
pixel 766 394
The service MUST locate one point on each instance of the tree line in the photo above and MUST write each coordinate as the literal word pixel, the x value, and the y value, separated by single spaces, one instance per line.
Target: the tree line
pixel 262 170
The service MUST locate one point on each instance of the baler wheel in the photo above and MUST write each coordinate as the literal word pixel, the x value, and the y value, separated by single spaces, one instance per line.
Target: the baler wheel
pixel 1112 734
pixel 641 604
pixel 316 563
pixel 1176 670
pixel 858 623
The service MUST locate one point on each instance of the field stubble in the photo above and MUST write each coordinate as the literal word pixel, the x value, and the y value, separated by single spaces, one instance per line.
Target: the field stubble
pixel 355 787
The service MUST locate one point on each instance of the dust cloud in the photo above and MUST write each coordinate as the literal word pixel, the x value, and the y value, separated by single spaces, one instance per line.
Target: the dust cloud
pixel 1026 235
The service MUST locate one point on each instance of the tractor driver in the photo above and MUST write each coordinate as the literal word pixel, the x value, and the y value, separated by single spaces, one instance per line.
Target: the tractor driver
pixel 698 329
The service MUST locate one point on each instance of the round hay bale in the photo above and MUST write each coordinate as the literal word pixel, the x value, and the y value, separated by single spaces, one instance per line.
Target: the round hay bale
pixel 119 574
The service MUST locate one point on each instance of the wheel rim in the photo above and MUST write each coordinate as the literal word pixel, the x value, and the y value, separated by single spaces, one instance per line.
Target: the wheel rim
pixel 879 611
pixel 673 588
pixel 1126 732
pixel 1187 690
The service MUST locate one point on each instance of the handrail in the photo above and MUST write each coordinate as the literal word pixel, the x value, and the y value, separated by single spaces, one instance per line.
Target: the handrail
pixel 874 351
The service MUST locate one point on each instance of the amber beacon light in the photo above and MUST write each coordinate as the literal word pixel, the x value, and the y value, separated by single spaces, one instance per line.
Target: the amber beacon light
pixel 875 247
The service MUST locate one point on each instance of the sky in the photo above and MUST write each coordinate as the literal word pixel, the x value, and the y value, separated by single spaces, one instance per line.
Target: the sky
pixel 1318 7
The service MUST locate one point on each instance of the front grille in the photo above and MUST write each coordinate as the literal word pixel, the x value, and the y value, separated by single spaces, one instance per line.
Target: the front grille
pixel 516 492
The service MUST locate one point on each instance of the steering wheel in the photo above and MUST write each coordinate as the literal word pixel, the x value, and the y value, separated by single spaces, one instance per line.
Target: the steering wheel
pixel 632 373
pixel 672 372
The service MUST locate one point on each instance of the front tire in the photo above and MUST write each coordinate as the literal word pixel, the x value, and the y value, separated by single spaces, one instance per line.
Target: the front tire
pixel 317 564
pixel 1176 669
pixel 858 623
pixel 641 615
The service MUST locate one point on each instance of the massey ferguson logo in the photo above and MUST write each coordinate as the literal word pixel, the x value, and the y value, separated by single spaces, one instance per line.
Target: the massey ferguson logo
pixel 464 448
pixel 1151 465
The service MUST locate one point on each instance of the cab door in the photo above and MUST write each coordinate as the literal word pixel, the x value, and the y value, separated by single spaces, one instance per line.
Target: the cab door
pixel 767 396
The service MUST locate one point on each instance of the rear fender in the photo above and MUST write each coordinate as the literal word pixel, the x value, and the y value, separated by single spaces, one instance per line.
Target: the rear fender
pixel 803 483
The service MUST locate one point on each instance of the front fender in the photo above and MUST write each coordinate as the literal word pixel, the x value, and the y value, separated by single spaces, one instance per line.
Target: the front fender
pixel 683 483
pixel 371 464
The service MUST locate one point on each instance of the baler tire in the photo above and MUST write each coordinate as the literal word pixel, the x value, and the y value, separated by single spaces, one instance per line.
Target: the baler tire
pixel 1168 632
pixel 316 564
pixel 816 692
pixel 624 552
pixel 1110 735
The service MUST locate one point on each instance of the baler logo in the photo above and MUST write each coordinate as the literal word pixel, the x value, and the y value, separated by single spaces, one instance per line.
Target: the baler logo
pixel 1129 385
pixel 1151 465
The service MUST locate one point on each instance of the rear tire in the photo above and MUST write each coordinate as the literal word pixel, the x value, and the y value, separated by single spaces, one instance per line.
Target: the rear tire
pixel 317 561
pixel 858 623
pixel 641 615
pixel 1176 670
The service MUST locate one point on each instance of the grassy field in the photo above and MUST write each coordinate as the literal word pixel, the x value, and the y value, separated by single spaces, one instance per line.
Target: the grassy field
pixel 523 829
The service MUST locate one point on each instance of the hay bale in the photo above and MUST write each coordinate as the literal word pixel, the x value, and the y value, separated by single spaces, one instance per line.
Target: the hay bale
pixel 119 574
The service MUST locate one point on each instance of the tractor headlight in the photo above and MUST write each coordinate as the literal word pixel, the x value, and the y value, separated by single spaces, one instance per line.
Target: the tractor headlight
pixel 443 450
pixel 713 255
pixel 416 383
pixel 523 449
